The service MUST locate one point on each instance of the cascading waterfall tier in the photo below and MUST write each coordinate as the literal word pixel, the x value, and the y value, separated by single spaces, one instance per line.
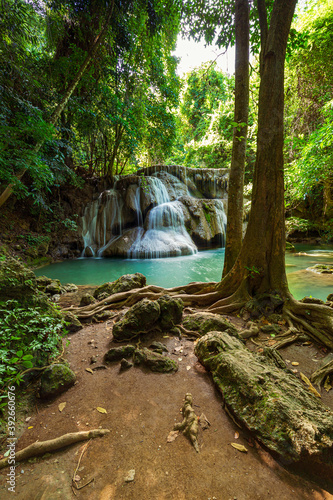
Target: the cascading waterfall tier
pixel 162 212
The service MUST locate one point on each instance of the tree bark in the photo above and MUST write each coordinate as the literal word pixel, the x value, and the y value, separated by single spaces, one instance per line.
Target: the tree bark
pixel 260 266
pixel 236 178
pixel 63 103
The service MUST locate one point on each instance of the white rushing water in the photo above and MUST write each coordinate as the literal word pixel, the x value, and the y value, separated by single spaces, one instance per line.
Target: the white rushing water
pixel 152 217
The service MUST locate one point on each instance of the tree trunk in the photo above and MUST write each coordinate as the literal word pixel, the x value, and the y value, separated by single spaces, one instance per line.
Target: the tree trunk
pixel 63 103
pixel 236 178
pixel 260 266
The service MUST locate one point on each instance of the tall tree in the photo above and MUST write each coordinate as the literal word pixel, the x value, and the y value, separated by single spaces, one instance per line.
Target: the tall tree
pixel 234 234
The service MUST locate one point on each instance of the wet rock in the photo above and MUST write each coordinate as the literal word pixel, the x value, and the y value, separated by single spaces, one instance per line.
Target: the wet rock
pixel 86 300
pixel 122 284
pixel 330 297
pixel 274 405
pixel 121 245
pixel 117 353
pixel 55 380
pixel 203 323
pixel 154 361
pixel 140 318
pixel 73 323
pixel 171 311
pixel 321 269
pixel 203 221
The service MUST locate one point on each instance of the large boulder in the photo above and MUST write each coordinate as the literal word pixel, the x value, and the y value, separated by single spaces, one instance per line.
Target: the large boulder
pixel 140 318
pixel 205 220
pixel 163 313
pixel 271 402
pixel 122 284
pixel 204 322
pixel 55 380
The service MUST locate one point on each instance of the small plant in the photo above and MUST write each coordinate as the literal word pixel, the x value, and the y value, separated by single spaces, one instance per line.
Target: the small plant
pixel 252 271
pixel 30 337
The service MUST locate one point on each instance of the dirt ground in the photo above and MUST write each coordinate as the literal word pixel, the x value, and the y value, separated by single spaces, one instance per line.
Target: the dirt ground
pixel 142 408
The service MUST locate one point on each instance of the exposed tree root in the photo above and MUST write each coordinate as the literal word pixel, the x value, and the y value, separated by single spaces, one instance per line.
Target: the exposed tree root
pixel 319 376
pixel 41 447
pixel 315 319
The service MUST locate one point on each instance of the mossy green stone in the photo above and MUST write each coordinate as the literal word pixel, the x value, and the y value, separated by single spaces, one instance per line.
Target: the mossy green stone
pixel 55 380
pixel 154 361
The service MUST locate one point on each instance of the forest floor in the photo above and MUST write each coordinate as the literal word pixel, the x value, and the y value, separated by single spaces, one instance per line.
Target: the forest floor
pixel 141 410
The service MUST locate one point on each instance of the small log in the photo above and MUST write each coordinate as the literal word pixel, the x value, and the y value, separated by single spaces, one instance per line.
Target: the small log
pixel 42 447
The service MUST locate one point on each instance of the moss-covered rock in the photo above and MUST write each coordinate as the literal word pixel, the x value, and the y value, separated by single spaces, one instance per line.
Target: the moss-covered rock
pixel 171 311
pixel 43 282
pixel 86 300
pixel 17 282
pixel 140 318
pixel 70 288
pixel 273 404
pixel 73 324
pixel 122 284
pixel 55 380
pixel 158 347
pixel 154 361
pixel 203 323
pixel 53 288
pixel 118 353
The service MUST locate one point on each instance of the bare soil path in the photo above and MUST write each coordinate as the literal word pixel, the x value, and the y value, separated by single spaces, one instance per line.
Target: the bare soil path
pixel 142 408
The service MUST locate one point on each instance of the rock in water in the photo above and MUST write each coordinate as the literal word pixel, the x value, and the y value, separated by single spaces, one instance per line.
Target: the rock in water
pixel 272 403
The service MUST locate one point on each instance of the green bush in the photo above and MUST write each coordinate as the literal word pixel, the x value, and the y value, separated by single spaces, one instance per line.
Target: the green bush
pixel 30 337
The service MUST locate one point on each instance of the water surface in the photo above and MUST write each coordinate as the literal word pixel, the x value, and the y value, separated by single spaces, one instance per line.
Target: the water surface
pixel 203 266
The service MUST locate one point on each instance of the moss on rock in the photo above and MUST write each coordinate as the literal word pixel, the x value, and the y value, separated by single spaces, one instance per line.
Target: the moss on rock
pixel 55 380
pixel 122 284
pixel 171 311
pixel 118 353
pixel 203 323
pixel 154 361
pixel 140 318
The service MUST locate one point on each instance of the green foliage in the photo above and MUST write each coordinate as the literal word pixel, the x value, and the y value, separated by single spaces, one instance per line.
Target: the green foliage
pixel 309 108
pixel 30 337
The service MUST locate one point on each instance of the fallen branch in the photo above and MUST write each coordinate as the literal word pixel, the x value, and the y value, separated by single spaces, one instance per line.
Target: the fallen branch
pixel 42 447
pixel 74 485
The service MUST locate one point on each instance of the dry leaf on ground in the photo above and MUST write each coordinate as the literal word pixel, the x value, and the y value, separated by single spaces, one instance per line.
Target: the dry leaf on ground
pixel 61 406
pixel 239 447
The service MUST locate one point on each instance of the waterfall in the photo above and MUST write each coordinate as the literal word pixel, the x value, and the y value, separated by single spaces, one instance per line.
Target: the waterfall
pixel 165 236
pixel 163 214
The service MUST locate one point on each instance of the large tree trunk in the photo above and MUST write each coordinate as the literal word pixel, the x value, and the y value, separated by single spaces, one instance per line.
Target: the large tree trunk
pixel 63 103
pixel 260 266
pixel 236 177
